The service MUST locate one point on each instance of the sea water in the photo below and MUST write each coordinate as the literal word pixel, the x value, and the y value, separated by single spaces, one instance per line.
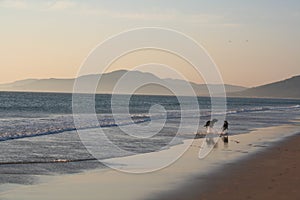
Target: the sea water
pixel 38 135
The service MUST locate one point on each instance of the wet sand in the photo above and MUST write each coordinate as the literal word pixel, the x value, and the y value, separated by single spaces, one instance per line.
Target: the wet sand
pixel 270 174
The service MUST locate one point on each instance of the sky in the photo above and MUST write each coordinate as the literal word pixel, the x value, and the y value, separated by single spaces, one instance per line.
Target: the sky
pixel 253 42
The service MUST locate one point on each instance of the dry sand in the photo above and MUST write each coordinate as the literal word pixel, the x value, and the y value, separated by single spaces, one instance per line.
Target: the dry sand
pixel 271 174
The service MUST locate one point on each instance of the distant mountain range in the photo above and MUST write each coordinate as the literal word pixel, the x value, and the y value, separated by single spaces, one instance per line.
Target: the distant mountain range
pixel 109 80
pixel 288 88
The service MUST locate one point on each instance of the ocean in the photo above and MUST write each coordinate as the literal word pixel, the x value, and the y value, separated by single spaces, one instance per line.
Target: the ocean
pixel 38 135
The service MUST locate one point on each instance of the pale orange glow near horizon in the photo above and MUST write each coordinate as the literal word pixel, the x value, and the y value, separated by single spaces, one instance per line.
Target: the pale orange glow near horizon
pixel 257 46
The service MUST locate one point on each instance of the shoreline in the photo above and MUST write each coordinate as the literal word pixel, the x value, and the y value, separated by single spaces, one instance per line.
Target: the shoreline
pixel 111 184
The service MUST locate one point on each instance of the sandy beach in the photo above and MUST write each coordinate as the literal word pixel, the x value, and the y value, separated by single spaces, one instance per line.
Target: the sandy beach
pixel 271 174
pixel 189 177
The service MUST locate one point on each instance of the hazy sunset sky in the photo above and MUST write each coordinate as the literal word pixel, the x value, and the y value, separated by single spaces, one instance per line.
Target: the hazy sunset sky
pixel 253 42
